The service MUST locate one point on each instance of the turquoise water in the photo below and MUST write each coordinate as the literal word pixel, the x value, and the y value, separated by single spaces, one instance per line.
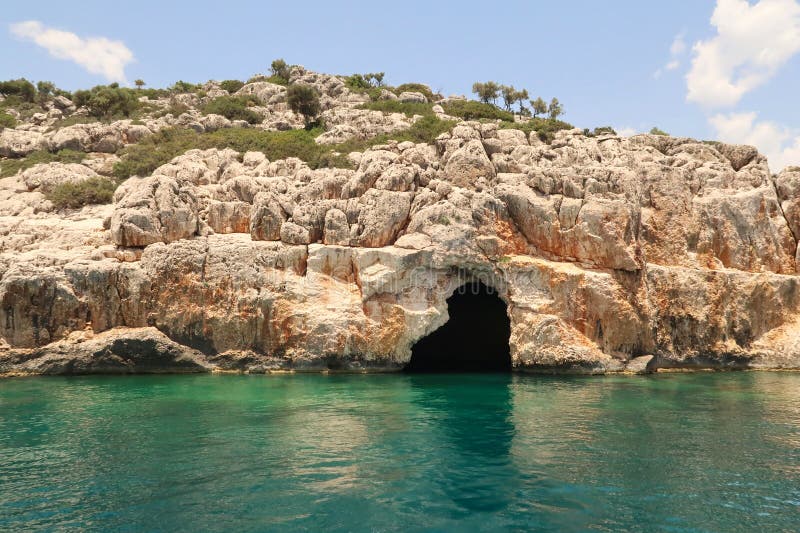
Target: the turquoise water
pixel 693 452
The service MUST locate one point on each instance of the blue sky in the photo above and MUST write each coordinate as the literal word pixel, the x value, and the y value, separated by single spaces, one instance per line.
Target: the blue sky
pixel 628 64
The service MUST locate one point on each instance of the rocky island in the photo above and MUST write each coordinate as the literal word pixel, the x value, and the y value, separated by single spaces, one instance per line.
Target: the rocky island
pixel 184 240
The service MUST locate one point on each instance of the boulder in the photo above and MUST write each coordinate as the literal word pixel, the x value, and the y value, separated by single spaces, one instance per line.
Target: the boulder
pixel 412 97
pixel 381 216
pixel 46 176
pixel 19 143
pixel 337 230
pixel 292 233
pixel 266 218
pixel 154 209
pixel 229 217
pixel 467 164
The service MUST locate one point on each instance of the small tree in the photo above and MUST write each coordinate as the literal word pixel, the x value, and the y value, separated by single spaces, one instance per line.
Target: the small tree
pixel 45 88
pixel 658 131
pixel 21 87
pixel 303 99
pixel 139 83
pixel 520 98
pixel 378 77
pixel 555 109
pixel 512 96
pixel 280 69
pixel 539 106
pixel 487 92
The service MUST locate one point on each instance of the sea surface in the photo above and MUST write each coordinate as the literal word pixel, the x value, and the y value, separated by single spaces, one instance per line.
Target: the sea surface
pixel 675 452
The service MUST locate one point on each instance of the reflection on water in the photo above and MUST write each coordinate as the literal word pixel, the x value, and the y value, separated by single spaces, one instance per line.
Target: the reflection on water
pixel 476 472
pixel 716 452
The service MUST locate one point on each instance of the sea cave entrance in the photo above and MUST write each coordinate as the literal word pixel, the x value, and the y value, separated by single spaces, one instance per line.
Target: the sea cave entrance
pixel 474 339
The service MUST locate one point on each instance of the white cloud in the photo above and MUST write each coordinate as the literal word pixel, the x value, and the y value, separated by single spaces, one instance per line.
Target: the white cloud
pixel 676 50
pixel 780 144
pixel 625 132
pixel 97 55
pixel 752 43
pixel 678 46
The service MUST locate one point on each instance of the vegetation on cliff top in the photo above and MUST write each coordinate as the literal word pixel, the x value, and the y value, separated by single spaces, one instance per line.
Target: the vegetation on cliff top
pixel 143 158
pixel 111 102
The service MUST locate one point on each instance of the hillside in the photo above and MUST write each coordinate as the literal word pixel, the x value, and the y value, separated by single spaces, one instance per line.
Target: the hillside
pixel 216 229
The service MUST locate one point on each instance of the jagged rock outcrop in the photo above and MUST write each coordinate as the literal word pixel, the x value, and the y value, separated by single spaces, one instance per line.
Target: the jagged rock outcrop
pixel 612 254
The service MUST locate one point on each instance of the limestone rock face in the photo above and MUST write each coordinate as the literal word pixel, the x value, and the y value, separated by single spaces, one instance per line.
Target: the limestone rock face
pixel 155 209
pixel 229 217
pixel 117 351
pixel 97 137
pixel 345 123
pixel 17 143
pixel 267 218
pixel 611 254
pixel 45 177
pixel 467 164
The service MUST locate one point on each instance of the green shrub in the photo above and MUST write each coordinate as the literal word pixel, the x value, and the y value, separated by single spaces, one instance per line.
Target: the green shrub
pixel 303 99
pixel 9 167
pixel 658 131
pixel 234 108
pixel 369 84
pixel 20 87
pixel 395 106
pixel 602 130
pixel 231 85
pixel 364 82
pixel 96 190
pixel 7 121
pixel 153 93
pixel 356 82
pixel 277 80
pixel 108 101
pixel 425 130
pixel 472 110
pixel 280 70
pixel 415 88
pixel 143 158
pixel 545 128
pixel 181 86
pixel 155 150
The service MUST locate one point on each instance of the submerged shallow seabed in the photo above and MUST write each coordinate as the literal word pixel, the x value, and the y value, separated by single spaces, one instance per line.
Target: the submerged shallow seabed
pixel 680 452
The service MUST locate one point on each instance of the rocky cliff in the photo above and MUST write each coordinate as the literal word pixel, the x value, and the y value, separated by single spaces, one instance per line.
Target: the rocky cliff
pixel 611 253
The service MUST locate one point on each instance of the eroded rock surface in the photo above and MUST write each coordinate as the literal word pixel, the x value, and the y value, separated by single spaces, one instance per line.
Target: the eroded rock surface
pixel 612 255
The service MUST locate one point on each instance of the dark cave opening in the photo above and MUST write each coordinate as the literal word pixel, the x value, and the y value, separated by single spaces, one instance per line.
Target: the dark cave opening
pixel 474 339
